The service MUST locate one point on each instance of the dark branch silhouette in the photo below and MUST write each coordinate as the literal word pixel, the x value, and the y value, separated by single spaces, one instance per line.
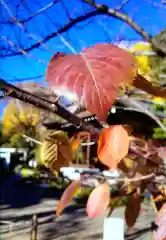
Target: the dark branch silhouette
pixel 121 16
pixel 54 107
pixel 63 29
pixel 99 10
pixel 14 20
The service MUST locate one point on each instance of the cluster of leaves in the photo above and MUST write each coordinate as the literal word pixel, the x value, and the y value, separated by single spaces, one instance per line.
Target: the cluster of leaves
pixel 95 75
pixel 130 193
pixel 113 142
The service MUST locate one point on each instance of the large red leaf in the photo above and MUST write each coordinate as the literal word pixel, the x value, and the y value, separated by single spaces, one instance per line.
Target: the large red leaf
pixel 94 75
pixel 67 196
pixel 98 201
pixel 160 234
pixel 113 145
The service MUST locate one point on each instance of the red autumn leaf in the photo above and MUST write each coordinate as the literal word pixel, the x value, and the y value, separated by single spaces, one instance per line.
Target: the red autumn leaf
pixel 93 75
pixel 160 234
pixel 67 196
pixel 113 145
pixel 98 201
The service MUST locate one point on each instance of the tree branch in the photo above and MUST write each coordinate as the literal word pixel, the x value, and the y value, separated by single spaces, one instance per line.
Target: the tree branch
pixel 100 10
pixel 145 85
pixel 103 178
pixel 59 31
pixel 14 20
pixel 123 17
pixel 53 107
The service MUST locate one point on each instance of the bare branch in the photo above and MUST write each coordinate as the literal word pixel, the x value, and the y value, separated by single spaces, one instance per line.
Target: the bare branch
pixel 100 10
pixel 123 17
pixel 147 86
pixel 14 20
pixel 53 107
pixel 88 179
pixel 59 31
pixel 136 179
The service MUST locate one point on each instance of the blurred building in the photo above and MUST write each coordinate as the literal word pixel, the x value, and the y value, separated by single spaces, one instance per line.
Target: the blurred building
pixel 9 153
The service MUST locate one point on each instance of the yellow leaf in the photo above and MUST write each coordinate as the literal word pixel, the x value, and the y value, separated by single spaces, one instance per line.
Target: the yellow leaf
pixel 142 61
pixel 128 162
pixel 129 188
pixel 159 100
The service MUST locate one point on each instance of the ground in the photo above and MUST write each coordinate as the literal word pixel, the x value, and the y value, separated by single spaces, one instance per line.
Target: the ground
pixel 72 225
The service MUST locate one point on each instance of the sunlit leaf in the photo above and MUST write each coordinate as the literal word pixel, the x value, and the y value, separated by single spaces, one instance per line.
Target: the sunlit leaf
pixel 159 100
pixel 130 188
pixel 94 75
pixel 142 61
pixel 98 201
pixel 132 209
pixel 77 139
pixel 113 145
pixel 67 196
pixel 75 144
pixel 160 234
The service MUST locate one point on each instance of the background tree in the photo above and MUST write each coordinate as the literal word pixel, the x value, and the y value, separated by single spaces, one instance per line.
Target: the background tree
pixel 26 118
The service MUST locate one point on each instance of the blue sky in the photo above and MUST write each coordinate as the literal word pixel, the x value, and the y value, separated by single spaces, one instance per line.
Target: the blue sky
pixel 148 14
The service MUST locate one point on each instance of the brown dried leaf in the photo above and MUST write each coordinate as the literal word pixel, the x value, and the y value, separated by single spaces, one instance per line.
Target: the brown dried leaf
pixel 67 196
pixel 132 209
pixel 56 152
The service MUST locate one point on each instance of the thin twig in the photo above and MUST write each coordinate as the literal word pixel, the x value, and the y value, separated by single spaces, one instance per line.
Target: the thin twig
pixel 31 139
pixel 100 10
pixel 40 102
pixel 122 5
pixel 118 179
pixel 135 179
pixel 63 29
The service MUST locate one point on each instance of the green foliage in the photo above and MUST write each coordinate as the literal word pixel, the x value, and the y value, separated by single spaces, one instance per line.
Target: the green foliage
pixel 17 141
pixel 38 157
pixel 159 132
pixel 160 41
pixel 158 68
